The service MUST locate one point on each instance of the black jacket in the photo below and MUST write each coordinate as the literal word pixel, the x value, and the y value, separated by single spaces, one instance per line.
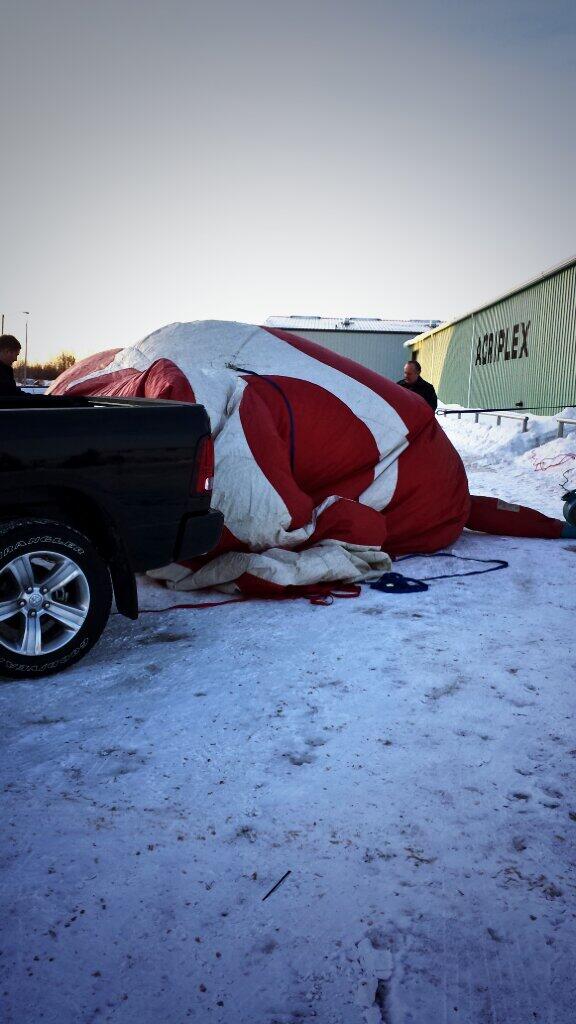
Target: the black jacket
pixel 8 387
pixel 422 388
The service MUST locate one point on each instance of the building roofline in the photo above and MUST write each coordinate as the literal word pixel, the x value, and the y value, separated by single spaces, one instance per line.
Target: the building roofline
pixel 346 330
pixel 350 325
pixel 500 298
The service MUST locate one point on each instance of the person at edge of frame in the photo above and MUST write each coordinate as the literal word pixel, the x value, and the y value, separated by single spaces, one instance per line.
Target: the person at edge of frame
pixel 9 352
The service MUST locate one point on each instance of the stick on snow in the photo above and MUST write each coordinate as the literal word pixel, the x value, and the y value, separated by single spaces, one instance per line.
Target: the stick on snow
pixel 274 887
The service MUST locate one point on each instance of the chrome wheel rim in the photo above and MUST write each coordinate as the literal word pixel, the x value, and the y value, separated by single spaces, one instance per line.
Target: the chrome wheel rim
pixel 44 601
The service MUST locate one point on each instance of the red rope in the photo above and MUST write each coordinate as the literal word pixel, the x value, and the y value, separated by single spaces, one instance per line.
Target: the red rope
pixel 198 604
pixel 323 597
pixel 544 464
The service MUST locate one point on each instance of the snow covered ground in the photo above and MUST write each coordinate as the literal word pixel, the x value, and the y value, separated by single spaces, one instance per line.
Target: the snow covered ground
pixel 409 759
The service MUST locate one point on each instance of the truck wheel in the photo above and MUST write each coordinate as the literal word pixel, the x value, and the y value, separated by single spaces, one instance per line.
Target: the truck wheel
pixel 55 597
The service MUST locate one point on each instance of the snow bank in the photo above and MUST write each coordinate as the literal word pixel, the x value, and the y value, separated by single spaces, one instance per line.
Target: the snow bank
pixel 532 468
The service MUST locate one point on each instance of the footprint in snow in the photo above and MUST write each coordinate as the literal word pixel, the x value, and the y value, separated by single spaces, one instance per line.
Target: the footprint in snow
pixel 163 638
pixel 122 761
pixel 300 759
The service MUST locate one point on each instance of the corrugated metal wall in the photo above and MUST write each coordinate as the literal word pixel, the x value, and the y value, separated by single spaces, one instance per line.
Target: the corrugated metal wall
pixel 384 353
pixel 521 349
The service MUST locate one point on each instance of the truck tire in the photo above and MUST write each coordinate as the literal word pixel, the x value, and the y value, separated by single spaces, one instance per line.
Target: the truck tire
pixel 55 597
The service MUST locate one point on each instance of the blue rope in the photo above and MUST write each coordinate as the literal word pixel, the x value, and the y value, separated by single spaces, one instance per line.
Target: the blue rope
pixel 274 384
pixel 494 563
pixel 396 583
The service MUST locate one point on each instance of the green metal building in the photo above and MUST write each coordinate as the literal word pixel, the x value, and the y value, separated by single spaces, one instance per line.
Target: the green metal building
pixel 519 350
pixel 371 341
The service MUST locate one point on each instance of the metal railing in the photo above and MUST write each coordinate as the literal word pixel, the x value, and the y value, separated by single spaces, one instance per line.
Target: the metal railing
pixel 477 413
pixel 562 420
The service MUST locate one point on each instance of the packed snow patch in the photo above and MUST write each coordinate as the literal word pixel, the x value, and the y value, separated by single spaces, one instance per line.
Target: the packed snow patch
pixel 409 759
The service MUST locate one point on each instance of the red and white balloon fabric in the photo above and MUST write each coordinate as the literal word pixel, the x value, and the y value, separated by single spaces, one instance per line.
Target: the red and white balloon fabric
pixel 323 468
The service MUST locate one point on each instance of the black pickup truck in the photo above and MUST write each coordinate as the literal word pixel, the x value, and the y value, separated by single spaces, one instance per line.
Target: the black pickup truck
pixel 92 491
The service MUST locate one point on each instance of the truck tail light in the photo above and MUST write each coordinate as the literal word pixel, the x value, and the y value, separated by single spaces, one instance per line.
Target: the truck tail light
pixel 203 479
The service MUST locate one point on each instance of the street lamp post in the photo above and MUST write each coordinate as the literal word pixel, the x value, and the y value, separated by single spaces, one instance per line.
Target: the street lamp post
pixel 26 314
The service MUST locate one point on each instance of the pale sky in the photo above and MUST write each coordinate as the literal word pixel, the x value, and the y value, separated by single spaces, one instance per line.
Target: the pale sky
pixel 169 160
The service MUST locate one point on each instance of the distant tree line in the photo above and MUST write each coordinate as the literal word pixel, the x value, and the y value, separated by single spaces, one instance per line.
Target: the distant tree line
pixel 45 371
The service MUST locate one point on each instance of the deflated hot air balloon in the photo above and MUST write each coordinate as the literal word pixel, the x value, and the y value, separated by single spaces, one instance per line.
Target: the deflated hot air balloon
pixel 323 468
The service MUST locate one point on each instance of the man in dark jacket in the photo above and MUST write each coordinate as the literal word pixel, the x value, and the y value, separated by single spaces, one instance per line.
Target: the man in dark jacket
pixel 9 352
pixel 412 381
